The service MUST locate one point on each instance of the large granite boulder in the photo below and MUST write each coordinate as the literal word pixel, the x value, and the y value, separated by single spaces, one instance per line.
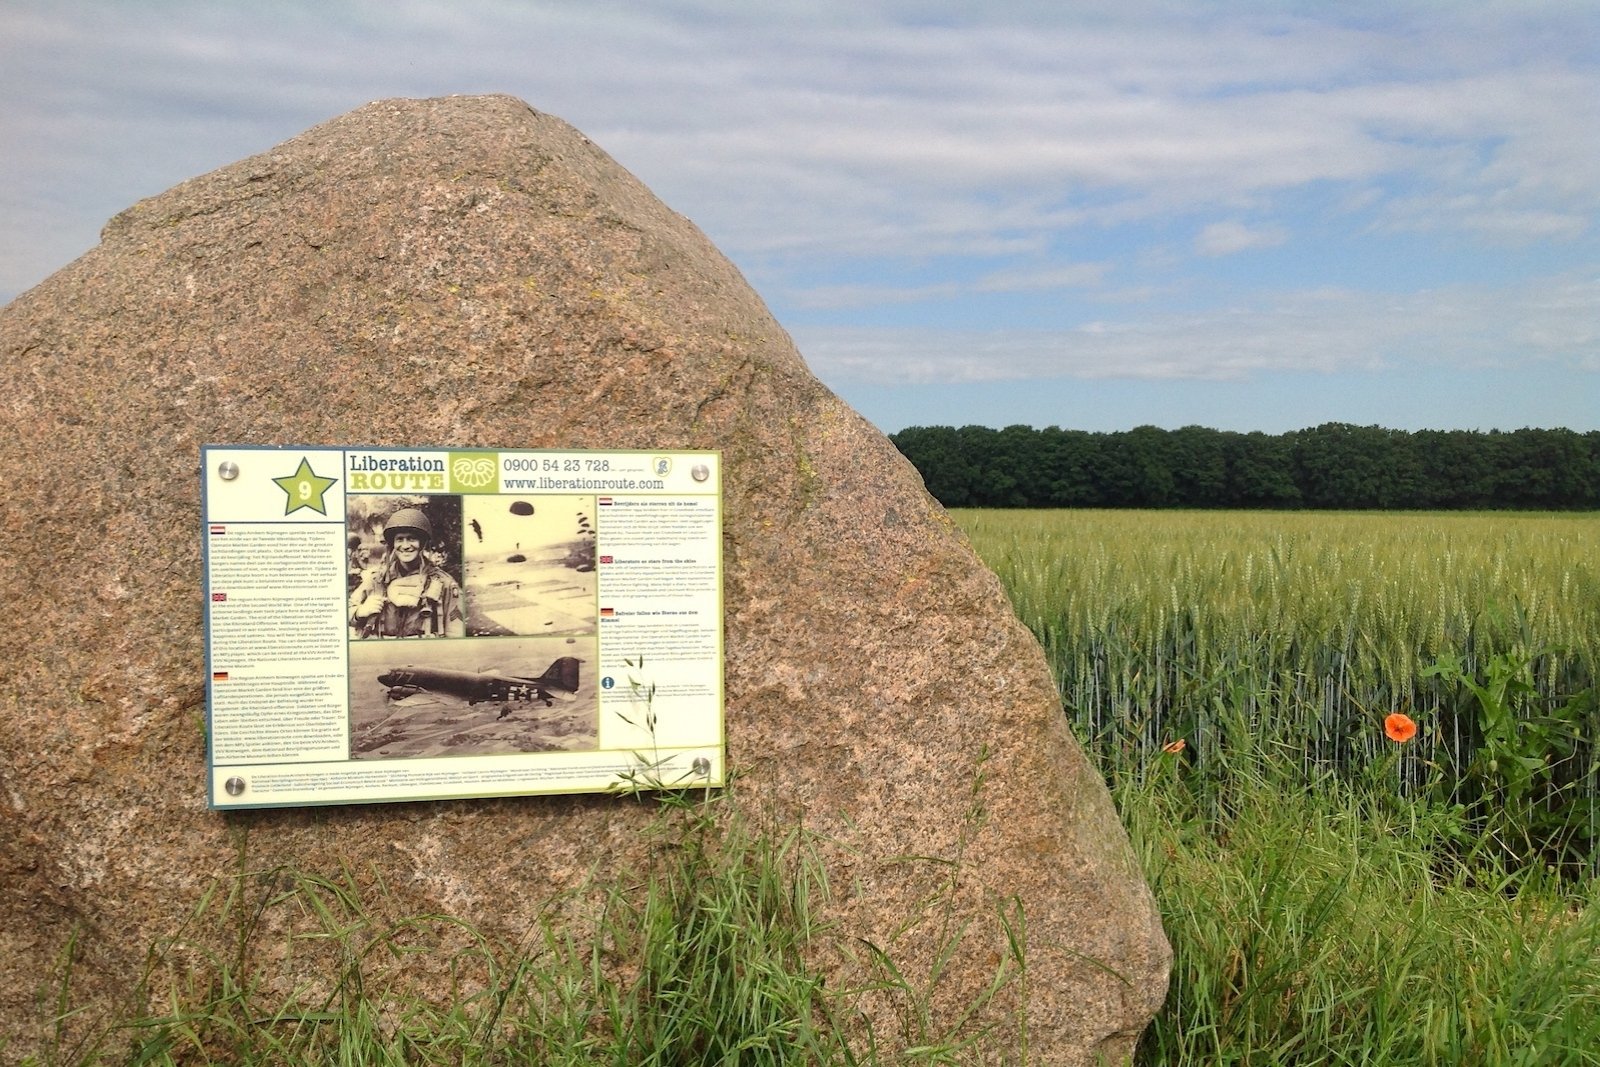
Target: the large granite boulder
pixel 468 271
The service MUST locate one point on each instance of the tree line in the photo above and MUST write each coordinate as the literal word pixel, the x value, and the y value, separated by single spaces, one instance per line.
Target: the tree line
pixel 1335 465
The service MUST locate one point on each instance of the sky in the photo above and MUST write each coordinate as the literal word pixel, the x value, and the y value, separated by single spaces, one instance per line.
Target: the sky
pixel 1097 215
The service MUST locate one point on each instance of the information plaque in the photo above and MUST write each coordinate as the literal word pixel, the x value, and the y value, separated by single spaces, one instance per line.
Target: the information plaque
pixel 391 624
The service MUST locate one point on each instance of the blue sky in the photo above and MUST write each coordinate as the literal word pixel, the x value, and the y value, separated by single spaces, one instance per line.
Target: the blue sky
pixel 1097 215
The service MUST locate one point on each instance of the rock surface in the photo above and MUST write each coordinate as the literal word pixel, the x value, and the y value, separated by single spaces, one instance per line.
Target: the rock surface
pixel 467 271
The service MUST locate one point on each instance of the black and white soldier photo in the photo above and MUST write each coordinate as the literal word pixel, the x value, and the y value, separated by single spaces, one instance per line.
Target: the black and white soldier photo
pixel 409 550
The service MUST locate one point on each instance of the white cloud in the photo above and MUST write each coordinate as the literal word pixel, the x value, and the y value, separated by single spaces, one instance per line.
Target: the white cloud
pixel 1036 279
pixel 1550 320
pixel 856 296
pixel 1226 238
pixel 1029 279
pixel 815 123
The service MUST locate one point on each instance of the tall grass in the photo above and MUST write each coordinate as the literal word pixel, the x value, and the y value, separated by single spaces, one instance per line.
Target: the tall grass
pixel 1333 896
pixel 706 954
pixel 1326 926
pixel 701 957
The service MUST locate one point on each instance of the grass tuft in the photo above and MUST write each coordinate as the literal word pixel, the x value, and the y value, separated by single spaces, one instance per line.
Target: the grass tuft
pixel 704 956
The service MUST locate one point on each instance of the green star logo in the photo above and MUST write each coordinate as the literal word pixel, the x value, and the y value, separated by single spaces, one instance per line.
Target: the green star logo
pixel 305 488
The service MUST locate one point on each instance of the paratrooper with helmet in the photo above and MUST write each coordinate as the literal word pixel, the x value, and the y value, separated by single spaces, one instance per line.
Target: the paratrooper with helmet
pixel 408 595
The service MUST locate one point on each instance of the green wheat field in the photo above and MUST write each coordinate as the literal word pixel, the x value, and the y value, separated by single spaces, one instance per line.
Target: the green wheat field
pixel 1333 895
pixel 1305 629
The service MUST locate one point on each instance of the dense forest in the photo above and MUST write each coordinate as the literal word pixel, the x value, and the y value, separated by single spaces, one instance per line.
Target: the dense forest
pixel 1335 465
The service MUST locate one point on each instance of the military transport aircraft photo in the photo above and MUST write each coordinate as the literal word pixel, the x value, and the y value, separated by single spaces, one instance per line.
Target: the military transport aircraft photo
pixel 473 697
pixel 410 686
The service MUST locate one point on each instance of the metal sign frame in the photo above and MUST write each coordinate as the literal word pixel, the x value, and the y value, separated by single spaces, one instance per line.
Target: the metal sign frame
pixel 397 624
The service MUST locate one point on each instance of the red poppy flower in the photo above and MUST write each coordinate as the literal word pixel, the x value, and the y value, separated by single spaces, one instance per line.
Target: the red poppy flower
pixel 1399 728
